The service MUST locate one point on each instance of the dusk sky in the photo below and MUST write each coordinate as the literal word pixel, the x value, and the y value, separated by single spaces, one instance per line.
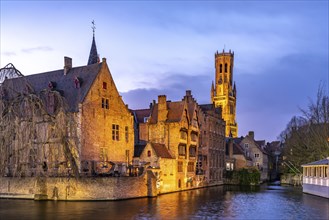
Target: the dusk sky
pixel 154 48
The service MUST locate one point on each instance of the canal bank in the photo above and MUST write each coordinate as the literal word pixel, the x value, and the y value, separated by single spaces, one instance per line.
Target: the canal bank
pixel 220 202
pixel 86 188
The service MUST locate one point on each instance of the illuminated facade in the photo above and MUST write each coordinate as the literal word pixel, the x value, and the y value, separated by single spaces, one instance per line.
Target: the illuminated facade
pixel 223 91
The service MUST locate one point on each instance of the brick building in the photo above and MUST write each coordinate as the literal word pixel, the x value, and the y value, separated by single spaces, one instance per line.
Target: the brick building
pixel 211 151
pixel 80 124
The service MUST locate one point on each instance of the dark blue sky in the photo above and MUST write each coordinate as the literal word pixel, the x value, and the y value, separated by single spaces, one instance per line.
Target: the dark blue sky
pixel 153 48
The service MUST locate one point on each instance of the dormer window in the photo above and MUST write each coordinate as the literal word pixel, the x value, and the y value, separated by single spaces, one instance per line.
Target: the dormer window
pixel 146 119
pixel 51 85
pixel 104 85
pixel 77 82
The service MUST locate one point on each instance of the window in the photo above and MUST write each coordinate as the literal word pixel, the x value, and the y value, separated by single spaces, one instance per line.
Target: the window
pixel 192 151
pixel 190 167
pixel 183 135
pixel 115 132
pixel 194 137
pixel 127 156
pixel 225 67
pixel 146 119
pixel 180 166
pixel 256 155
pixel 228 166
pixel 221 68
pixel 182 150
pixel 104 85
pixel 231 109
pixel 179 183
pixel 149 153
pixel 105 103
pixel 126 134
pixel 246 145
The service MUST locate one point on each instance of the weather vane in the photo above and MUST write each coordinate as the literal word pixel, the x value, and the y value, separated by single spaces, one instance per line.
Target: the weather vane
pixel 93 27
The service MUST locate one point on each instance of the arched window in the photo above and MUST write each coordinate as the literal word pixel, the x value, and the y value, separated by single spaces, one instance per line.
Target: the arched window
pixel 221 68
pixel 225 67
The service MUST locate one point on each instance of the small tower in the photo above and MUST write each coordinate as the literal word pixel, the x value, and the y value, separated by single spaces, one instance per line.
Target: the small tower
pixel 93 55
pixel 223 94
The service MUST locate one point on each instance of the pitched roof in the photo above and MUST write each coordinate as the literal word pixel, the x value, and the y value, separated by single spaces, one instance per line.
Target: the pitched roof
pixel 65 84
pixel 237 149
pixel 260 142
pixel 140 114
pixel 138 149
pixel 161 151
pixel 319 162
pixel 207 107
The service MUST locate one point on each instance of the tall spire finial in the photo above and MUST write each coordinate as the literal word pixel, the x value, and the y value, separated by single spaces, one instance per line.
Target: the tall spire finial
pixel 93 55
pixel 93 27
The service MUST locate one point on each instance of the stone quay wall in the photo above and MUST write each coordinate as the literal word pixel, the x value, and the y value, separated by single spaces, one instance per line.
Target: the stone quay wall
pixel 292 179
pixel 86 188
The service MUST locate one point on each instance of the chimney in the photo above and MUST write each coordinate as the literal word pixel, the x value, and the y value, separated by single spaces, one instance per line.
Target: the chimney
pixel 162 108
pixel 230 148
pixel 251 134
pixel 67 64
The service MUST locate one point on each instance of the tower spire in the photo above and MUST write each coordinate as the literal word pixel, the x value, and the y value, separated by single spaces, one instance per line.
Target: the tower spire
pixel 93 55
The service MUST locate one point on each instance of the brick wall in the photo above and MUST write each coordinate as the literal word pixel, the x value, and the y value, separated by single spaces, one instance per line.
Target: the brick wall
pixel 100 188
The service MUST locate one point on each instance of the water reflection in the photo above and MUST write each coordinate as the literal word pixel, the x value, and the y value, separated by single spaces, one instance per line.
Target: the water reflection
pixel 224 202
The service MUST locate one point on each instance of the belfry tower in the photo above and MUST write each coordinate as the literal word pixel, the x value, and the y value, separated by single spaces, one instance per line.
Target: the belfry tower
pixel 223 92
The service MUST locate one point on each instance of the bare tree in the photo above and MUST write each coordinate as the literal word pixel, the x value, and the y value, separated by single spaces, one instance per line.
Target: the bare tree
pixel 306 137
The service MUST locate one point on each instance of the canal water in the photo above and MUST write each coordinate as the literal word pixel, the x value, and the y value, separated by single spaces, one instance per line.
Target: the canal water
pixel 222 202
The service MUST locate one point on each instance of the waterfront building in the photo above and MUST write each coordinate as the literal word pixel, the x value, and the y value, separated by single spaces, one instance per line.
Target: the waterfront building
pixel 176 126
pixel 316 178
pixel 235 155
pixel 224 92
pixel 256 151
pixel 191 136
pixel 274 150
pixel 65 122
pixel 211 151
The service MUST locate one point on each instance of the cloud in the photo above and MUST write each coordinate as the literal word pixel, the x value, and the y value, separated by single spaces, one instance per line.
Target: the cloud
pixel 9 53
pixel 174 87
pixel 37 49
